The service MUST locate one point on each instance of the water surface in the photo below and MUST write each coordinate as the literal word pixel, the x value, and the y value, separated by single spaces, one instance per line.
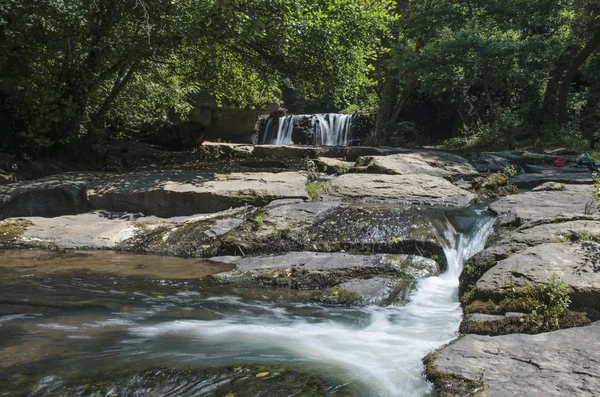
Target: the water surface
pixel 92 324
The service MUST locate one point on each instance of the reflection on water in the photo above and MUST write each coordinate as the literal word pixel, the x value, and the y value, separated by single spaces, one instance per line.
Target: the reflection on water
pixel 85 332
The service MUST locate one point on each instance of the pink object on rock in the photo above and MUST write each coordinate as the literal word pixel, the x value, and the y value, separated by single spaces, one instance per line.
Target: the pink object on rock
pixel 559 162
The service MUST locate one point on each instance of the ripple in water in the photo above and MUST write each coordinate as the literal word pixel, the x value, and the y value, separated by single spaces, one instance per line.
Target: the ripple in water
pixel 381 348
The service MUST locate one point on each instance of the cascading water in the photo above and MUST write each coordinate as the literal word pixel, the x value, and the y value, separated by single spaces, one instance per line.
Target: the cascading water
pixel 320 129
pixel 377 348
pixel 382 347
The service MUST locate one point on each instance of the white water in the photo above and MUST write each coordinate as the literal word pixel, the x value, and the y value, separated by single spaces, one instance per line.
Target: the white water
pixel 380 347
pixel 331 129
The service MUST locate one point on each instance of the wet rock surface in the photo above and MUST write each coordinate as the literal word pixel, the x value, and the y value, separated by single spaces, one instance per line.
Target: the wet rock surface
pixel 540 272
pixel 349 279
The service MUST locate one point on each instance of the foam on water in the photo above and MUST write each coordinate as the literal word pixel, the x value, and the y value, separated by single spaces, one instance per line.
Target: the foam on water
pixel 381 347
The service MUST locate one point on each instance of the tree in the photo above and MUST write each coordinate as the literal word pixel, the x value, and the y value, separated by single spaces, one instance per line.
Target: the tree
pixel 68 67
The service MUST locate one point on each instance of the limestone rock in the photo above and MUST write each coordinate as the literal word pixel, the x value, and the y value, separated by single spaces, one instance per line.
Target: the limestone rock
pixel 570 176
pixel 560 363
pixel 578 265
pixel 488 162
pixel 315 270
pixel 432 163
pixel 45 197
pixel 187 193
pixel 333 166
pixel 401 189
pixel 372 291
pixel 333 226
pixel 545 204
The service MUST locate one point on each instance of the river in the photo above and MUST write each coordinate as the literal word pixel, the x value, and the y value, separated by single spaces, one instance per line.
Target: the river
pixel 133 325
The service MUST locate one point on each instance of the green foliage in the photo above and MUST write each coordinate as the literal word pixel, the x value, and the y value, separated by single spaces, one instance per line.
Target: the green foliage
pixel 499 73
pixel 316 187
pixel 554 300
pixel 72 70
pixel 259 220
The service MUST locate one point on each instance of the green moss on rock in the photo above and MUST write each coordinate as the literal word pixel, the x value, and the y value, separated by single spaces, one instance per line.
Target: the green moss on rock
pixel 340 297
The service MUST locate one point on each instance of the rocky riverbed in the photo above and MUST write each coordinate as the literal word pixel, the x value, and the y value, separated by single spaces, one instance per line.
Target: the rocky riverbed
pixel 356 227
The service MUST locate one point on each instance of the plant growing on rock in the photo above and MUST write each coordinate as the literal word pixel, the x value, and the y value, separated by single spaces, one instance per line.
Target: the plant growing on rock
pixel 554 299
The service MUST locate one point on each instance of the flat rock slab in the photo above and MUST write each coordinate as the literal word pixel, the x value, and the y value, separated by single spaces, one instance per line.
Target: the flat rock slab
pixel 424 162
pixel 559 231
pixel 315 270
pixel 83 231
pixel 163 194
pixel 571 176
pixel 319 261
pixel 401 189
pixel 187 193
pixel 333 166
pixel 545 204
pixel 578 265
pixel 560 363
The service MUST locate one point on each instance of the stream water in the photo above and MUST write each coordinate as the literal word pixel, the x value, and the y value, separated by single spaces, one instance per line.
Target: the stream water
pixel 131 332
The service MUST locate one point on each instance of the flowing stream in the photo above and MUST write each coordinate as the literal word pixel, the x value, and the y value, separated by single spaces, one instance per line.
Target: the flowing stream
pixel 110 321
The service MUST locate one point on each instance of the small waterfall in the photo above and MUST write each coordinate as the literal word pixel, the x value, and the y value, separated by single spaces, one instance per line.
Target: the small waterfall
pixel 463 246
pixel 318 129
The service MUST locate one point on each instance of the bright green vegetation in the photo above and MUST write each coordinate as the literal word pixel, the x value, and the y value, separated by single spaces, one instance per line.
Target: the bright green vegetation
pixel 86 70
pixel 475 74
pixel 259 220
pixel 547 304
pixel 554 300
pixel 316 187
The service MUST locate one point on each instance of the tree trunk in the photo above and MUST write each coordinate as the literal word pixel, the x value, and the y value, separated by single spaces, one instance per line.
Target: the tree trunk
pixel 565 84
pixel 386 105
pixel 547 114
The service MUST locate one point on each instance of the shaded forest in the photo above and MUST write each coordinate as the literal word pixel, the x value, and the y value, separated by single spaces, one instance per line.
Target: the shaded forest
pixel 468 73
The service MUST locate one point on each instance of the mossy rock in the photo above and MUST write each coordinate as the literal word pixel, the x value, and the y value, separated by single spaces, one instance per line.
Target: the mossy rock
pixel 340 297
pixel 450 384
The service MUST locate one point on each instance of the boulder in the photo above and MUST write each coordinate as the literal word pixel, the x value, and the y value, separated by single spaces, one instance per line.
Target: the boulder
pixel 372 291
pixel 516 209
pixel 578 265
pixel 187 193
pixel 333 165
pixel 432 163
pixel 560 363
pixel 333 227
pixel 400 189
pixel 556 229
pixel 47 197
pixel 313 270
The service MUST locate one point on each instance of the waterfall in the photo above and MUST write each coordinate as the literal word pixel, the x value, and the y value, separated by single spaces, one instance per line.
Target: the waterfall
pixel 320 129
